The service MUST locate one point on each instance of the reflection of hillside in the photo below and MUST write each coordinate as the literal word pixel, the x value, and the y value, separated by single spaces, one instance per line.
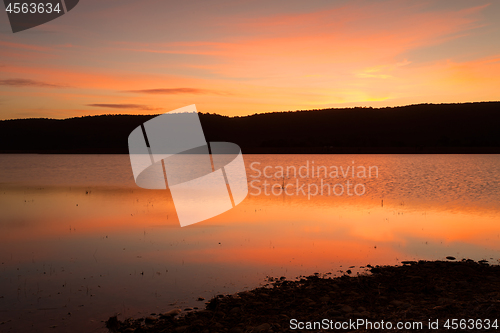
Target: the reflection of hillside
pixel 424 128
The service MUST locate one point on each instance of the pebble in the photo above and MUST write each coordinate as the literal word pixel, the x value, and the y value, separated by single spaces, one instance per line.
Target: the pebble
pixel 401 304
pixel 172 313
pixel 235 330
pixel 334 313
pixel 346 309
pixel 262 328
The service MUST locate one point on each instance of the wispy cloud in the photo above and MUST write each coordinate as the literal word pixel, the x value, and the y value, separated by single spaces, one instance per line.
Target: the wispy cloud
pixel 24 46
pixel 192 48
pixel 382 71
pixel 29 83
pixel 124 106
pixel 175 91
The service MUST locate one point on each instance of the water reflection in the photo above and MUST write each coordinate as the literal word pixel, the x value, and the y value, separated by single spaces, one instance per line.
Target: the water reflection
pixel 75 250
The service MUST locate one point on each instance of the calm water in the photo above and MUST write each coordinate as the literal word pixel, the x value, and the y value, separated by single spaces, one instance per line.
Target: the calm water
pixel 79 241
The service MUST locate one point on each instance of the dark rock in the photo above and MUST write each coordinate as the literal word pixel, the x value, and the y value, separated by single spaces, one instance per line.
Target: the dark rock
pixel 262 328
pixel 181 329
pixel 236 330
pixel 112 324
pixel 346 309
pixel 172 313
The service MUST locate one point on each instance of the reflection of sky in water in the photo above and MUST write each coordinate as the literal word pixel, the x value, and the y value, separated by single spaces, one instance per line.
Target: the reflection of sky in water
pixel 77 236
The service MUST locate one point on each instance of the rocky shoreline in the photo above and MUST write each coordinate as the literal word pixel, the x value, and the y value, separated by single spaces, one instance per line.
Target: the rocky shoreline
pixel 424 295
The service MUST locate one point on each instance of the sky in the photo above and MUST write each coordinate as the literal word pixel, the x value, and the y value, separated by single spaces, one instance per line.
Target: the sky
pixel 242 57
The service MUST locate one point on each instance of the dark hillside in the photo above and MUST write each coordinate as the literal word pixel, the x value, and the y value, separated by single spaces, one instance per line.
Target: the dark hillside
pixel 424 128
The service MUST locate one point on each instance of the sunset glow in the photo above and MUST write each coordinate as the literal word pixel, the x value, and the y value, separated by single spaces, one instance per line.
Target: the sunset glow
pixel 241 58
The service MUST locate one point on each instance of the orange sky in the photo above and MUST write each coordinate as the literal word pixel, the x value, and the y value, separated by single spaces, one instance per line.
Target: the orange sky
pixel 241 57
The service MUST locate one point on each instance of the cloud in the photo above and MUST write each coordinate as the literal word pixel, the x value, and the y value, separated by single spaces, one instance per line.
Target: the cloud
pixel 381 71
pixel 28 83
pixel 281 49
pixel 24 46
pixel 193 48
pixel 124 106
pixel 174 91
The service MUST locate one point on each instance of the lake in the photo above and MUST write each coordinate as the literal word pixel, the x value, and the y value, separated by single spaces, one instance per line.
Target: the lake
pixel 80 242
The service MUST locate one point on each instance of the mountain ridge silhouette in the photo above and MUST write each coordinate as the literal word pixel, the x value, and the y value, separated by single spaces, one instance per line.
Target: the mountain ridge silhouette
pixel 418 128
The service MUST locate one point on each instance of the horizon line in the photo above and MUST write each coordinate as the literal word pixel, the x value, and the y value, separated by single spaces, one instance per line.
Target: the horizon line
pixel 255 114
